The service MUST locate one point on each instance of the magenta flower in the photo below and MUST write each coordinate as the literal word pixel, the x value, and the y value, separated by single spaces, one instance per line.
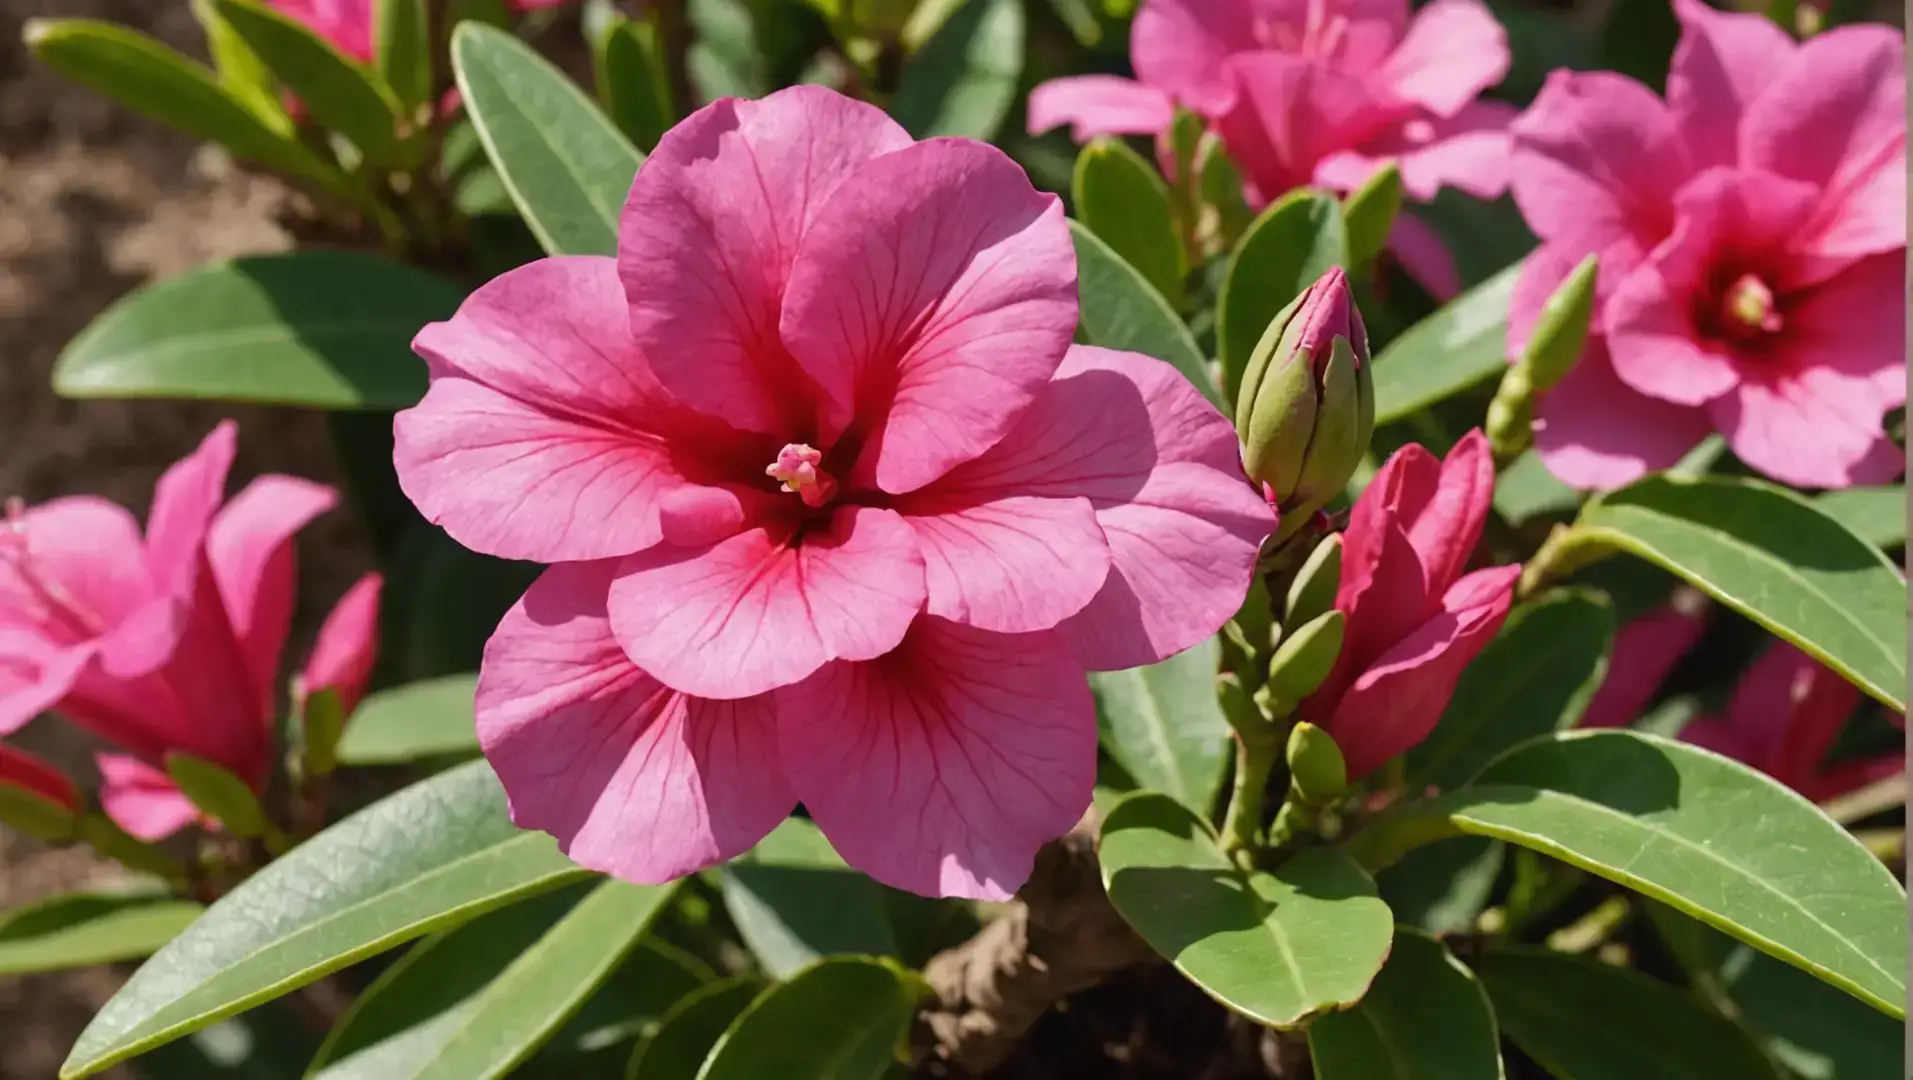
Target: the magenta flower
pixel 843 514
pixel 1752 234
pixel 1645 651
pixel 347 24
pixel 1414 620
pixel 169 643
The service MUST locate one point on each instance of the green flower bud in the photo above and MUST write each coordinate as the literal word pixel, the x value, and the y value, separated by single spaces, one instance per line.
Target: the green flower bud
pixel 1304 659
pixel 1313 590
pixel 1316 769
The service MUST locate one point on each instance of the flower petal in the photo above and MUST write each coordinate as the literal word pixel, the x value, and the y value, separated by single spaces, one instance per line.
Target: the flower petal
pixel 1293 113
pixel 185 499
pixel 941 767
pixel 709 233
pixel 1444 521
pixel 634 779
pixel 1596 162
pixel 1453 51
pixel 544 435
pixel 932 298
pixel 765 608
pixel 1095 105
pixel 1005 562
pixel 1645 651
pixel 347 645
pixel 142 799
pixel 35 676
pixel 1791 708
pixel 73 568
pixel 1179 47
pixel 1424 256
pixel 1724 61
pixel 19 769
pixel 1594 432
pixel 250 548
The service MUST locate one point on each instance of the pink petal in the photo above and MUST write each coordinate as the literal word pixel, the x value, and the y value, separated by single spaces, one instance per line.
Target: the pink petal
pixel 1396 702
pixel 1424 256
pixel 710 231
pixel 1095 105
pixel 1444 520
pixel 544 435
pixel 1179 47
pixel 1293 113
pixel 35 676
pixel 1716 734
pixel 1844 776
pixel 1793 708
pixel 1008 563
pixel 184 502
pixel 932 298
pixel 763 609
pixel 941 767
pixel 250 548
pixel 225 723
pixel 1594 432
pixel 1384 592
pixel 1468 152
pixel 71 568
pixel 347 24
pixel 24 771
pixel 347 645
pixel 1645 651
pixel 634 779
pixel 142 799
pixel 1542 272
pixel 1725 60
pixel 1454 50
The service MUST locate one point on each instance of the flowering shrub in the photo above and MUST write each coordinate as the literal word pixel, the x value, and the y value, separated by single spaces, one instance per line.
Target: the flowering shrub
pixel 1376 641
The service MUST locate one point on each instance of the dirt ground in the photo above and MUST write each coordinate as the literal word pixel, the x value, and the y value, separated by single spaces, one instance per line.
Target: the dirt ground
pixel 94 202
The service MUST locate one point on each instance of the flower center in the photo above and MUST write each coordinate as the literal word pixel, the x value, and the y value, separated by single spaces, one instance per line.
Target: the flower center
pixel 796 470
pixel 1748 307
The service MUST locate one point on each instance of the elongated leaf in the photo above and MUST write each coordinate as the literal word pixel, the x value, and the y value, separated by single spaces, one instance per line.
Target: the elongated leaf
pixel 1772 556
pixel 1163 725
pixel 1697 831
pixel 1289 245
pixel 687 1033
pixel 402 47
pixel 795 901
pixel 218 794
pixel 1120 197
pixel 1444 886
pixel 1537 676
pixel 1874 514
pixel 963 81
pixel 1426 1018
pixel 1526 490
pixel 240 70
pixel 320 329
pixel 568 168
pixel 339 92
pixel 597 1042
pixel 85 928
pixel 632 82
pixel 435 853
pixel 1277 947
pixel 1584 1020
pixel 422 719
pixel 1121 311
pixel 1457 348
pixel 840 1019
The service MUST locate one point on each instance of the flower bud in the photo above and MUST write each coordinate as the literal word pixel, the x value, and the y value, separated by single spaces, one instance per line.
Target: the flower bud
pixel 1304 659
pixel 1307 404
pixel 1316 769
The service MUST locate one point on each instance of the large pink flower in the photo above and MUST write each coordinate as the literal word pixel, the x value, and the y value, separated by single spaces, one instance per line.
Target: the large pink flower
pixel 1752 235
pixel 1415 621
pixel 169 643
pixel 844 514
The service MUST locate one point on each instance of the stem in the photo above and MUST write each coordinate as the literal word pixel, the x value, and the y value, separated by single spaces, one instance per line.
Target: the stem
pixel 1257 747
pixel 1567 549
pixel 1589 931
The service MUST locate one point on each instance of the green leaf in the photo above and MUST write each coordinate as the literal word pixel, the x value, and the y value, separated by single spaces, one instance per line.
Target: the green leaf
pixel 1121 199
pixel 839 1019
pixel 339 92
pixel 1370 213
pixel 1769 554
pixel 1163 725
pixel 687 1033
pixel 1458 347
pixel 1296 240
pixel 319 329
pixel 1536 676
pixel 963 81
pixel 529 992
pixel 1444 886
pixel 1526 490
pixel 402 36
pixel 428 718
pixel 443 600
pixel 241 71
pixel 1121 311
pixel 1704 834
pixel 1426 1018
pixel 146 76
pixel 599 1039
pixel 568 168
pixel 1584 1020
pixel 432 855
pixel 218 794
pixel 632 83
pixel 795 901
pixel 1276 946
pixel 1874 514
pixel 80 929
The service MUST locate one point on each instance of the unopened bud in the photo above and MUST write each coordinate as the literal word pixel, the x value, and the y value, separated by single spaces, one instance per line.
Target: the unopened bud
pixel 1304 659
pixel 1317 771
pixel 1316 583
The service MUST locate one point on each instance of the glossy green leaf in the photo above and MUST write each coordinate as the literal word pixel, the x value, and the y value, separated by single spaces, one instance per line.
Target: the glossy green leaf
pixel 218 794
pixel 510 1014
pixel 1126 204
pixel 402 50
pixel 840 1019
pixel 273 1042
pixel 963 81
pixel 687 1033
pixel 1769 554
pixel 632 82
pixel 81 929
pixel 1370 212
pixel 1443 886
pixel 1702 833
pixel 1164 726
pixel 432 855
pixel 795 901
pixel 1536 676
pixel 1457 348
pixel 1526 490
pixel 1426 1018
pixel 241 71
pixel 428 718
pixel 1874 514
pixel 1584 1020
pixel 443 600
pixel 319 329
pixel 338 92
pixel 597 1042
pixel 1276 946
pixel 1121 311
pixel 568 168
pixel 1290 244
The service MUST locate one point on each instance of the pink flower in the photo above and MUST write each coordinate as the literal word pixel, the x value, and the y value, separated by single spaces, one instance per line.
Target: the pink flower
pixel 1752 235
pixel 842 515
pixel 1645 651
pixel 347 24
pixel 165 644
pixel 1414 619
pixel 25 772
